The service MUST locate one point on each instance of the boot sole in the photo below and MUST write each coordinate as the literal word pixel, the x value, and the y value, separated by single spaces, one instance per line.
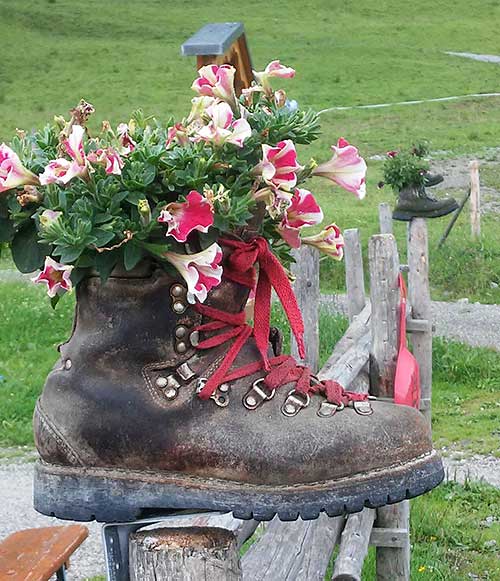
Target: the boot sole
pixel 407 216
pixel 108 495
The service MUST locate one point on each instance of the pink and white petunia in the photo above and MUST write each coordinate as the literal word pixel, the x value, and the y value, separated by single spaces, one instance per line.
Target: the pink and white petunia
pixel 182 218
pixel 279 165
pixel 127 143
pixel 273 70
pixel 346 168
pixel 61 170
pixel 302 211
pixel 48 217
pixel 329 240
pixel 12 171
pixel 108 157
pixel 56 276
pixel 223 128
pixel 177 134
pixel 201 271
pixel 216 81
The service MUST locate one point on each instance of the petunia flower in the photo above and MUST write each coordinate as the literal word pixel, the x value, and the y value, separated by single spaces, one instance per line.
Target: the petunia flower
pixel 12 171
pixel 223 128
pixel 127 143
pixel 302 211
pixel 329 240
pixel 216 81
pixel 201 271
pixel 273 70
pixel 48 217
pixel 182 218
pixel 56 276
pixel 346 168
pixel 279 164
pixel 61 170
pixel 177 134
pixel 108 157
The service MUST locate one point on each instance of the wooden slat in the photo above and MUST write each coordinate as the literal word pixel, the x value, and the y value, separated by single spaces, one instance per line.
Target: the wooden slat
pixel 395 538
pixel 353 546
pixel 475 200
pixel 293 551
pixel 393 563
pixel 36 554
pixel 355 278
pixel 213 39
pixel 385 218
pixel 306 288
pixel 419 298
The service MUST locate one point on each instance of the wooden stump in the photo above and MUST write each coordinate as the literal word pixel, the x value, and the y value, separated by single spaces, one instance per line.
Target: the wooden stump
pixel 184 554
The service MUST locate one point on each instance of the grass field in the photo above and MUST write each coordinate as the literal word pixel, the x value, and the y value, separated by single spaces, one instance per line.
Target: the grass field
pixel 121 55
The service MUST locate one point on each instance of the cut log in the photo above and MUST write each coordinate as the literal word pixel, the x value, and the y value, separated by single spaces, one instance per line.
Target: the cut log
pixel 293 551
pixel 353 546
pixel 385 218
pixel 184 554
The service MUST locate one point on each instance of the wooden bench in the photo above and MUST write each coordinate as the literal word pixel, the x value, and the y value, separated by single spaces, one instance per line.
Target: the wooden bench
pixel 38 554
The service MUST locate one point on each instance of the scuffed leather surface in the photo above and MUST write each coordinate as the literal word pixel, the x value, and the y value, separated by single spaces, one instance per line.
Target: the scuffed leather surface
pixel 107 406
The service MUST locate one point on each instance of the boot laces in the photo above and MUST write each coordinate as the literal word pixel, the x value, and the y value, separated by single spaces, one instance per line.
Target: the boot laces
pixel 283 369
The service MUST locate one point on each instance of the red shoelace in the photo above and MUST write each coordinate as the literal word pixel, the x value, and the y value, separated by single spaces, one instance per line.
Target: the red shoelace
pixel 284 369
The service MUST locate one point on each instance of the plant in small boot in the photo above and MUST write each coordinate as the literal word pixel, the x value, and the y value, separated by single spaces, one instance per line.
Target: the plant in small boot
pixel 164 396
pixel 407 172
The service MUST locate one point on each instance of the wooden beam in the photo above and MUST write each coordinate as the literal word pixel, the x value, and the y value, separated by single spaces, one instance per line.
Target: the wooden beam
pixel 393 563
pixel 387 537
pixel 353 546
pixel 293 551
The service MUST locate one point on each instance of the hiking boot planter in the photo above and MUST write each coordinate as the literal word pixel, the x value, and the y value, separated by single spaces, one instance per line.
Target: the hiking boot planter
pixel 415 202
pixel 165 397
pixel 146 410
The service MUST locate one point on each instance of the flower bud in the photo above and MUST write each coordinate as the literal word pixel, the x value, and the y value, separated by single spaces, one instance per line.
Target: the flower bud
pixel 144 211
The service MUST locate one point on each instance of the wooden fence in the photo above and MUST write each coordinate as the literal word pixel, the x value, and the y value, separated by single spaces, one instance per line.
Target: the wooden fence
pixel 206 546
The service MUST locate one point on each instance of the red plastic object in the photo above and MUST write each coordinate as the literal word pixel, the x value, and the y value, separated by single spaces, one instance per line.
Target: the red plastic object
pixel 407 380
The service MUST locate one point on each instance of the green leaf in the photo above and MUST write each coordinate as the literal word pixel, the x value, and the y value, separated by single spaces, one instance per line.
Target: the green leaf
pixel 102 237
pixel 27 253
pixel 149 174
pixel 6 230
pixel 68 254
pixel 132 254
pixel 105 262
pixel 54 300
pixel 134 197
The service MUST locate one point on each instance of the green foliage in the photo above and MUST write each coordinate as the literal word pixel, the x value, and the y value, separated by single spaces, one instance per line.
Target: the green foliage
pixel 403 169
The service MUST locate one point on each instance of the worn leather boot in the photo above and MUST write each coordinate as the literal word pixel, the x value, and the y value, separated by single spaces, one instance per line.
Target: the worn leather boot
pixel 157 405
pixel 415 202
pixel 432 179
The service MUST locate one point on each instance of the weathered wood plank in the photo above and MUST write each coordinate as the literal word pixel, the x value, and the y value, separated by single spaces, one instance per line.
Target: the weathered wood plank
pixel 184 554
pixel 306 288
pixel 355 278
pixel 384 293
pixel 388 537
pixel 420 303
pixel 385 218
pixel 353 546
pixel 393 564
pixel 294 551
pixel 213 39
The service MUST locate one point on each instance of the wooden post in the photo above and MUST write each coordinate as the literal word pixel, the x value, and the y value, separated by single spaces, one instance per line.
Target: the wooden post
pixel 184 554
pixel 393 564
pixel 475 200
pixel 385 218
pixel 420 306
pixel 306 288
pixel 354 275
pixel 353 546
pixel 384 293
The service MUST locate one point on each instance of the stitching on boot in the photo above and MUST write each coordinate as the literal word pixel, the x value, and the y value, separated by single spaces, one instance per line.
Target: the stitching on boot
pixel 70 453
